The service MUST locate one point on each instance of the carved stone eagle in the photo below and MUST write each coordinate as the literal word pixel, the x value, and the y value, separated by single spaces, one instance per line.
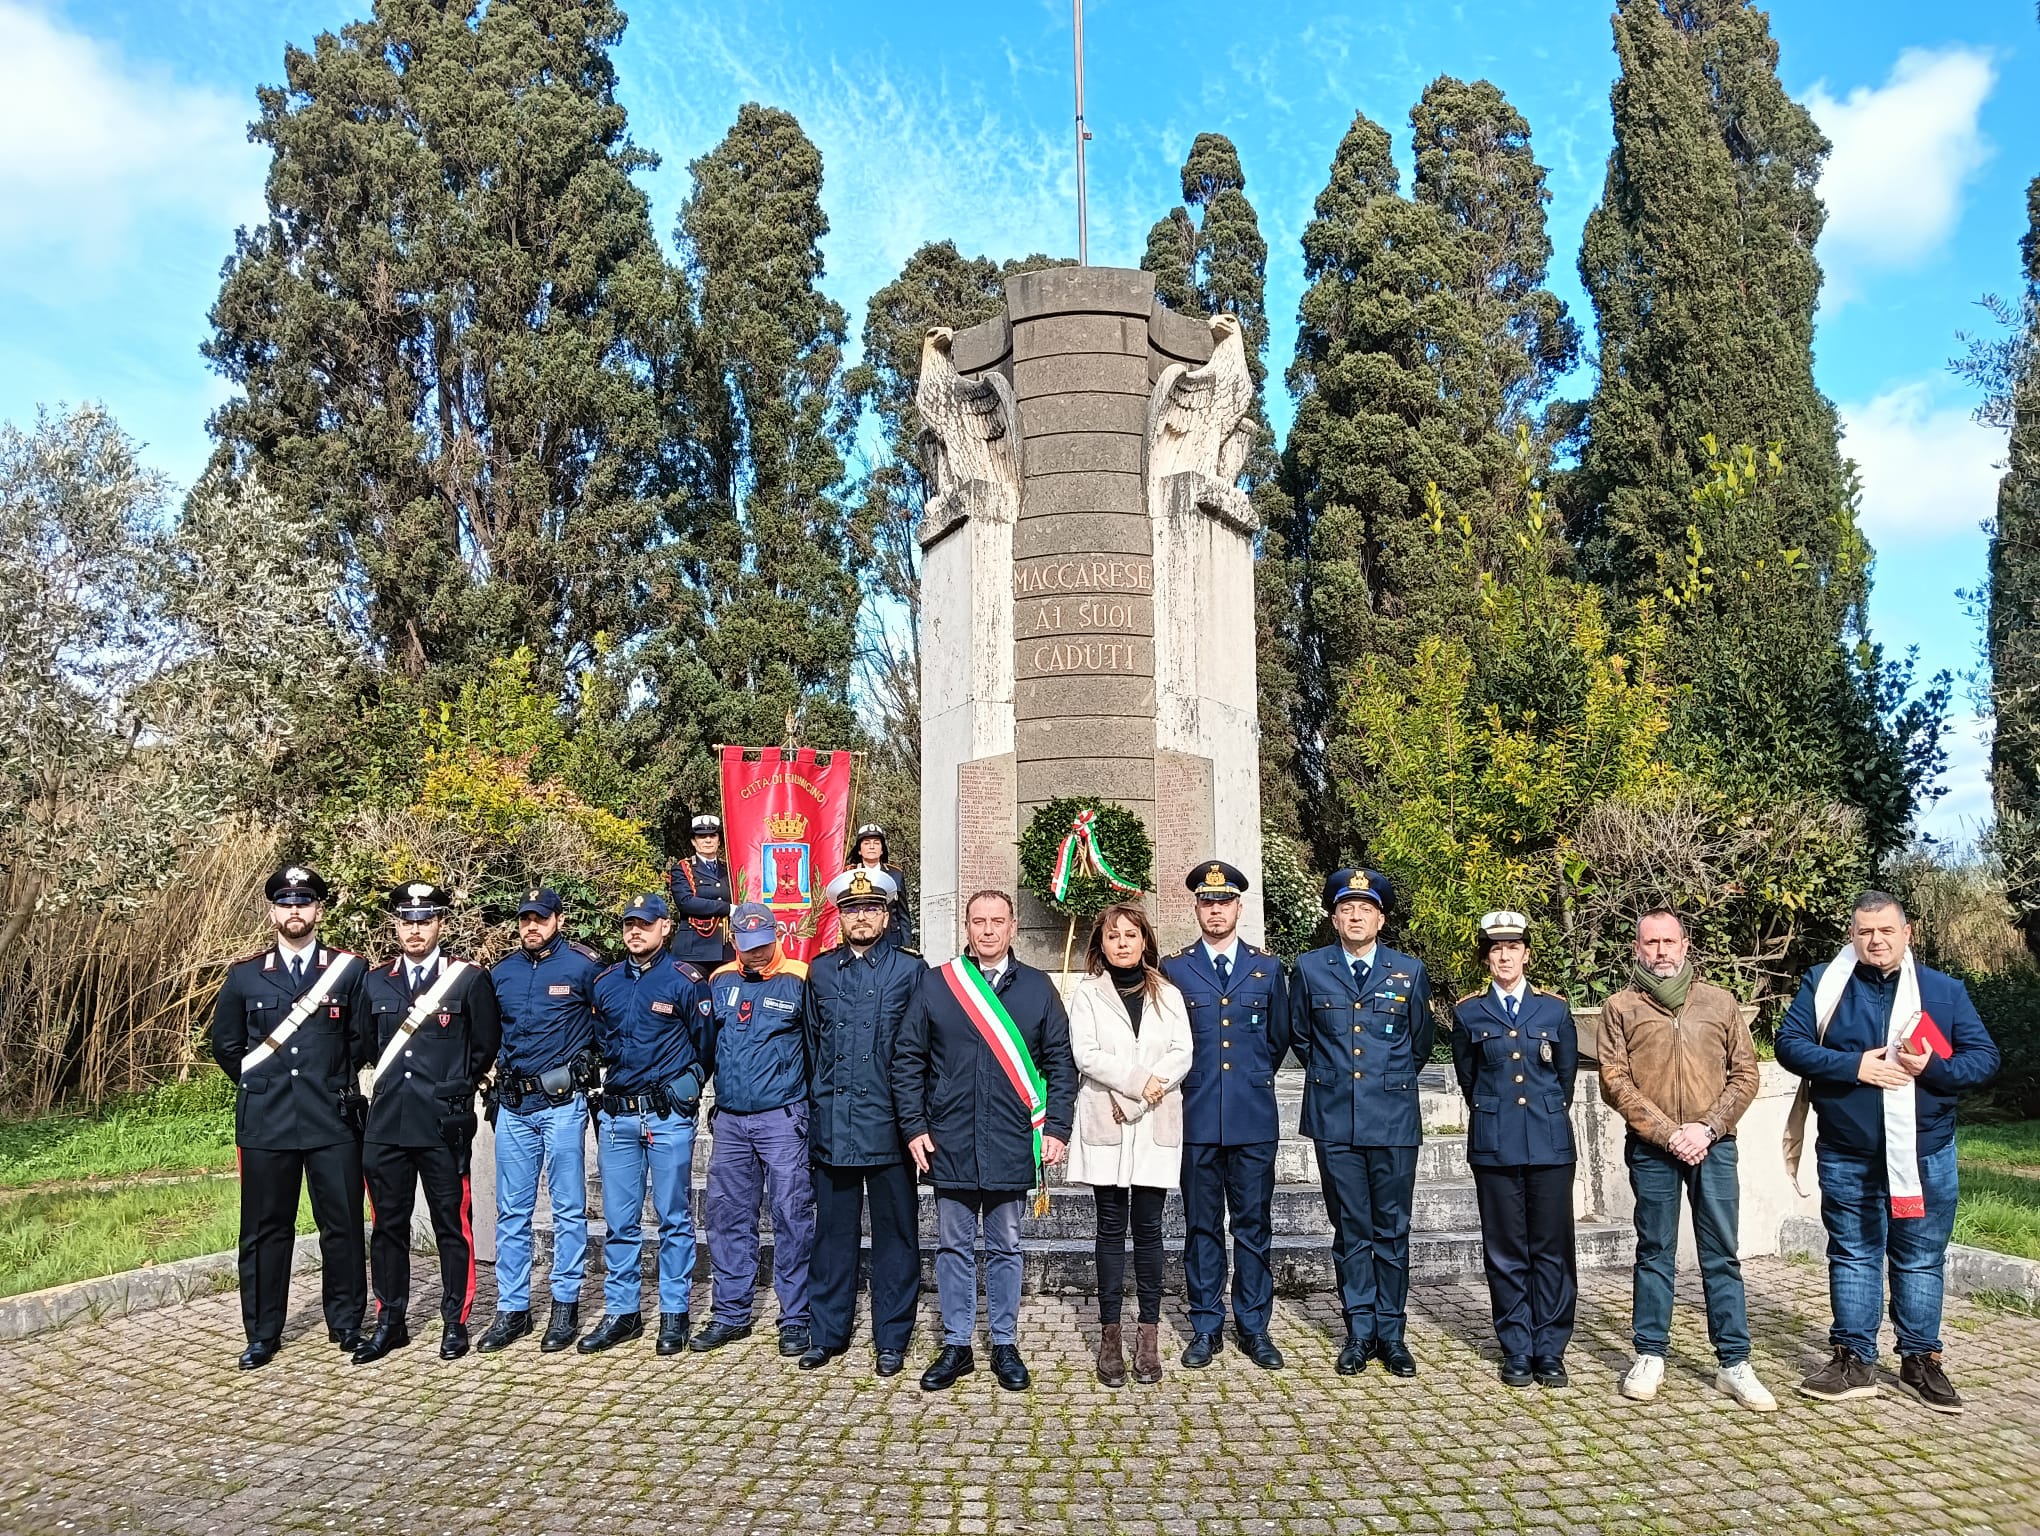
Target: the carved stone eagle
pixel 1199 419
pixel 969 427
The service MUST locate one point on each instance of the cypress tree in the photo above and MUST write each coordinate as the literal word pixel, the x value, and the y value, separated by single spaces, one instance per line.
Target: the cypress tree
pixel 450 333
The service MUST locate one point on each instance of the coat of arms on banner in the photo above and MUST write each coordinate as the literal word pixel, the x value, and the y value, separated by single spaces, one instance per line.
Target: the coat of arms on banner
pixel 788 884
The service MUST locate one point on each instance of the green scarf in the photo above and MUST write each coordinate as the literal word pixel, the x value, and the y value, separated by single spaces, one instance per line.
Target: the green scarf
pixel 1669 992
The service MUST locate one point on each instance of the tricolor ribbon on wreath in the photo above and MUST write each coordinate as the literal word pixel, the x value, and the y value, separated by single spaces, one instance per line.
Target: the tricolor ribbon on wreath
pixel 1082 843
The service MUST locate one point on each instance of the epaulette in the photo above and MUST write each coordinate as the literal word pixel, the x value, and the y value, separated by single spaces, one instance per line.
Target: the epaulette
pixel 908 949
pixel 582 950
pixel 1476 992
pixel 607 969
pixel 252 955
pixel 1547 992
pixel 689 969
pixel 1184 952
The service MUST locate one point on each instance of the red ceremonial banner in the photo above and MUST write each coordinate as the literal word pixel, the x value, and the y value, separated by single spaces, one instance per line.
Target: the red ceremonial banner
pixel 786 820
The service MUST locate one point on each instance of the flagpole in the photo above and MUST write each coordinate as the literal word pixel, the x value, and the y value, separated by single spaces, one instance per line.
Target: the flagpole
pixel 1083 241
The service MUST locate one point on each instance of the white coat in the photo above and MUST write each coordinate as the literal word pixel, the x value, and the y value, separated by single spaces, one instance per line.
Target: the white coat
pixel 1113 1066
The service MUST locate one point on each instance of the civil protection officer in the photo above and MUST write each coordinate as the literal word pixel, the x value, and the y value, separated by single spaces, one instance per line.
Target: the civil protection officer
pixel 1361 1020
pixel 1239 1028
pixel 1516 1052
pixel 857 995
pixel 869 853
pixel 700 886
pixel 434 1030
pixel 653 1040
pixel 288 1029
pixel 756 1013
pixel 546 989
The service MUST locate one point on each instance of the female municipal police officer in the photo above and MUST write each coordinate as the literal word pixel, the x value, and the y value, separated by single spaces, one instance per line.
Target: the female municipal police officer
pixel 1516 1052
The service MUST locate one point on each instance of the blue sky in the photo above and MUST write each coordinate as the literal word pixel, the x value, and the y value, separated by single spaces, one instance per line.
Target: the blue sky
pixel 124 169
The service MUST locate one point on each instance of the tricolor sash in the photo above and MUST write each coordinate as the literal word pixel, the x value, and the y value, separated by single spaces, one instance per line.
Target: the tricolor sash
pixel 276 1039
pixel 1002 1037
pixel 428 1002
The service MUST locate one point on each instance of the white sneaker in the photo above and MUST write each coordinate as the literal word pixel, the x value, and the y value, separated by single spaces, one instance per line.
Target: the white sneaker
pixel 1641 1384
pixel 1740 1382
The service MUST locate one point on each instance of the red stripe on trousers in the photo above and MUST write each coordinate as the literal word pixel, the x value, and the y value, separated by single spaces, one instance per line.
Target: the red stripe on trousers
pixel 467 1230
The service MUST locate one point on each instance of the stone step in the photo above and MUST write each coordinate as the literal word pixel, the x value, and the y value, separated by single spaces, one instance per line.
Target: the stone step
pixel 1067 1265
pixel 1298 1211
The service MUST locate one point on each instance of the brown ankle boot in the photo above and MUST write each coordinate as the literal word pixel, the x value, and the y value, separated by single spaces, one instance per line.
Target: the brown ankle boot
pixel 1147 1352
pixel 1111 1356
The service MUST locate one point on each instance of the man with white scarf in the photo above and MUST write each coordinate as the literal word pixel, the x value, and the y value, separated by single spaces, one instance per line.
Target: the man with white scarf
pixel 1884 1046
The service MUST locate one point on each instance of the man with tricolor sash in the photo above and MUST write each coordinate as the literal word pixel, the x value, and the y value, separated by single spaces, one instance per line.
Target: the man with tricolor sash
pixel 1884 1046
pixel 434 1028
pixel 288 1029
pixel 986 1091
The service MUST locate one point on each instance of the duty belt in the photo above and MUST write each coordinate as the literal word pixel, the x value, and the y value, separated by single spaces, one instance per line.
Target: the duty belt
pixel 651 1102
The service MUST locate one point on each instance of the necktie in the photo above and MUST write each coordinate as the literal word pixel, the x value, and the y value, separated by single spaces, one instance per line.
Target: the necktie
pixel 297 970
pixel 1360 969
pixel 1224 966
pixel 417 979
pixel 1509 1001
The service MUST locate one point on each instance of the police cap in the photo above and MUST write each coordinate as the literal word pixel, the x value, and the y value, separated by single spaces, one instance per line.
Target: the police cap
pixel 707 826
pixel 1502 927
pixel 295 886
pixel 541 901
pixel 648 908
pixel 753 926
pixel 861 887
pixel 1359 885
pixel 1216 881
pixel 419 900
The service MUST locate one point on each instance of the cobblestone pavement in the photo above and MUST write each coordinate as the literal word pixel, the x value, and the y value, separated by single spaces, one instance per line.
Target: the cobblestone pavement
pixel 143 1424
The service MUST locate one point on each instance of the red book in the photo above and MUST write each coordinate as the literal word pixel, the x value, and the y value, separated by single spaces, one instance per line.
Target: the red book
pixel 1927 1036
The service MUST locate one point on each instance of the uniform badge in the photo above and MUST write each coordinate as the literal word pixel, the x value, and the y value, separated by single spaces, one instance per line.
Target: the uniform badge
pixel 445 1019
pixel 1544 1052
pixel 562 990
pixel 662 1007
pixel 333 1012
pixel 744 1011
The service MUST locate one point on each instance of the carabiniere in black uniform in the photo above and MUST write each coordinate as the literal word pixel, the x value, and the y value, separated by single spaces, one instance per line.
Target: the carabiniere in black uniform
pixel 434 1030
pixel 288 1028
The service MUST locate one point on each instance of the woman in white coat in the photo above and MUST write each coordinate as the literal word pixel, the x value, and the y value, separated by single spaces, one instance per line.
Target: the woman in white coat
pixel 1130 1034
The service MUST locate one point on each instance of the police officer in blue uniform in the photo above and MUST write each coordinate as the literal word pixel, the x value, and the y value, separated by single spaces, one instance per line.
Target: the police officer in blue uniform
pixel 1361 1019
pixel 1516 1052
pixel 546 990
pixel 653 1041
pixel 1239 1029
pixel 434 1029
pixel 289 1029
pixel 858 993
pixel 868 851
pixel 700 888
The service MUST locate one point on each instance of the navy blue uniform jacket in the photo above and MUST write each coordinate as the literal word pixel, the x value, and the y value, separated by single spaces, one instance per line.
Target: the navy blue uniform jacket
pixel 855 1009
pixel 649 1027
pixel 702 901
pixel 447 1056
pixel 1852 1113
pixel 947 1083
pixel 291 1101
pixel 547 999
pixel 1239 1034
pixel 1521 1101
pixel 758 1036
pixel 1361 1051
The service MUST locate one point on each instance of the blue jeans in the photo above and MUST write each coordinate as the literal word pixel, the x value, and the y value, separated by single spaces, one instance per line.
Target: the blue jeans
pixel 1864 1240
pixel 553 1138
pixel 627 1149
pixel 1713 1189
pixel 956 1223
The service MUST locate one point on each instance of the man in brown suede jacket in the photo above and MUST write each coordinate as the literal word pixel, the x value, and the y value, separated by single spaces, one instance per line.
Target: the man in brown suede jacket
pixel 1677 1063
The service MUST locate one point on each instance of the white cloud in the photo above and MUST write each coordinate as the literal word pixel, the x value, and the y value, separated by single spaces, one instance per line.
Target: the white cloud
pixel 93 146
pixel 1928 470
pixel 1903 152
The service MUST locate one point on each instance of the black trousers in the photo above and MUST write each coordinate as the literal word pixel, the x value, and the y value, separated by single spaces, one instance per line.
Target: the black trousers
pixel 1216 1179
pixel 1526 1232
pixel 841 1195
pixel 1368 1191
pixel 270 1180
pixel 393 1175
pixel 1144 1205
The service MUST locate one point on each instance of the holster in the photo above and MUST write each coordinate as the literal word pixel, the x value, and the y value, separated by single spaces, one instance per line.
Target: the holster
pixel 353 1110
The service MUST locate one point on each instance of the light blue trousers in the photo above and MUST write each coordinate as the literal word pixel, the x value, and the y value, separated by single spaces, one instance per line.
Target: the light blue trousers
pixel 554 1139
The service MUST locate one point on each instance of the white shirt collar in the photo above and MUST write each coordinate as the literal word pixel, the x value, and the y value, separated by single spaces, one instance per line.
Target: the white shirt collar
pixel 1231 951
pixel 1518 991
pixel 994 972
pixel 429 963
pixel 1365 957
pixel 307 951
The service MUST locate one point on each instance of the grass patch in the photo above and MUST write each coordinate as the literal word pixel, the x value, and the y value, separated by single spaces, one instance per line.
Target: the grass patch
pixel 176 1128
pixel 52 1237
pixel 2011 1143
pixel 1999 1211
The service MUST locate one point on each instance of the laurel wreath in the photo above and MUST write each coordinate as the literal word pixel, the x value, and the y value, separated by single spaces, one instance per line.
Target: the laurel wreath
pixel 1118 839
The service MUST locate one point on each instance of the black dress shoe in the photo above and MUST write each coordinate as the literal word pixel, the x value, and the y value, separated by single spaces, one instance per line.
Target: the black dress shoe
pixel 1009 1369
pixel 794 1339
pixel 349 1339
pixel 390 1333
pixel 1516 1371
pixel 672 1333
pixel 612 1331
pixel 1260 1349
pixel 258 1354
pixel 716 1334
pixel 1354 1357
pixel 953 1362
pixel 453 1341
pixel 815 1356
pixel 561 1327
pixel 1397 1358
pixel 891 1361
pixel 1550 1371
pixel 506 1330
pixel 1202 1346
